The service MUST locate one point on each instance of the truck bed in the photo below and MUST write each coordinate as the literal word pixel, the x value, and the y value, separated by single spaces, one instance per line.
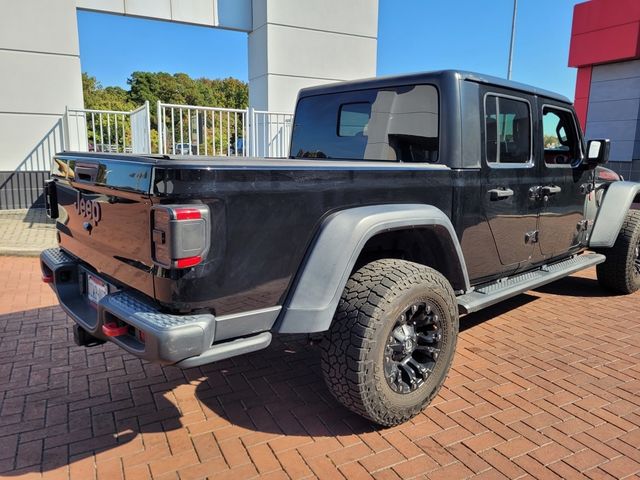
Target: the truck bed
pixel 258 240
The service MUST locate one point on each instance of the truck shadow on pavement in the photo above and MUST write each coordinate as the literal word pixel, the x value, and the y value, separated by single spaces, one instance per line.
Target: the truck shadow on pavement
pixel 577 286
pixel 61 404
pixel 280 391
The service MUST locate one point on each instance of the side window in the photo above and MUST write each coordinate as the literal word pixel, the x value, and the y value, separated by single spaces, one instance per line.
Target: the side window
pixel 396 124
pixel 354 118
pixel 560 136
pixel 507 131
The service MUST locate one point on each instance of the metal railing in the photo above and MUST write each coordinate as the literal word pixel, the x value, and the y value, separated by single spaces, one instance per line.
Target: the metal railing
pixel 112 131
pixel 182 130
pixel 271 133
pixel 199 130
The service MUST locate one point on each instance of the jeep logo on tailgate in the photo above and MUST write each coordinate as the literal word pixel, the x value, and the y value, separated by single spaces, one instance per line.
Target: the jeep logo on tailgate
pixel 89 209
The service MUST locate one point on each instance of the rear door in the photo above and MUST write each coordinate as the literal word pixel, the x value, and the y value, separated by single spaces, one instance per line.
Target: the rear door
pixel 509 174
pixel 563 183
pixel 104 215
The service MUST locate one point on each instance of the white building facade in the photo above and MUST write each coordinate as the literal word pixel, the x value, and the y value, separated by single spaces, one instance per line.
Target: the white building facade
pixel 292 44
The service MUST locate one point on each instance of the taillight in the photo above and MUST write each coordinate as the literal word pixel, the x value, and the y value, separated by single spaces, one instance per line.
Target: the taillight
pixel 180 235
pixel 187 213
pixel 188 262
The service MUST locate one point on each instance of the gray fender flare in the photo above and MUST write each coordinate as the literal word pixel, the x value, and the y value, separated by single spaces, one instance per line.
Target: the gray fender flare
pixel 336 249
pixel 615 204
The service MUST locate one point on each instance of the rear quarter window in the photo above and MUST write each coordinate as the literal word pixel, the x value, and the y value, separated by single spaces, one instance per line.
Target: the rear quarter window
pixel 391 124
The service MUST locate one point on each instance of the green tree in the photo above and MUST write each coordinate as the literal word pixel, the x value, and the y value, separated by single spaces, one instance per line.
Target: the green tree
pixel 178 88
pixel 110 98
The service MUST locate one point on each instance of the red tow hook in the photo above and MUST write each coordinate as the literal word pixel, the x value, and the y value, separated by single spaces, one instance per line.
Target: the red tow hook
pixel 47 277
pixel 113 330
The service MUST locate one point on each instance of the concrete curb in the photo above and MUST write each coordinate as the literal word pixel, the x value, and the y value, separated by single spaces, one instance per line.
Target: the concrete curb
pixel 20 252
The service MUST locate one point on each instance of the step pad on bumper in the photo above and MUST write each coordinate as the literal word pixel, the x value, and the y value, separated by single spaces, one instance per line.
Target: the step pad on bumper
pixel 167 338
pixel 57 257
pixel 133 307
pixel 183 340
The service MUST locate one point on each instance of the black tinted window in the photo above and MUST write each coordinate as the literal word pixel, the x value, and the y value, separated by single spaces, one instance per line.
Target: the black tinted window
pixel 354 118
pixel 507 130
pixel 395 124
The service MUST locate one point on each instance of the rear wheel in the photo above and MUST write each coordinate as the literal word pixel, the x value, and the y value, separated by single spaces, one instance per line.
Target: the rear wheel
pixel 392 340
pixel 621 271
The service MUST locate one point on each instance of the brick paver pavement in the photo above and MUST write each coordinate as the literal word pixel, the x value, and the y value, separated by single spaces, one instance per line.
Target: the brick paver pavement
pixel 546 385
pixel 26 232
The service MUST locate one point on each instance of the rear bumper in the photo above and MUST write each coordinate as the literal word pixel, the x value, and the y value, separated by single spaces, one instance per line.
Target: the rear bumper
pixel 183 340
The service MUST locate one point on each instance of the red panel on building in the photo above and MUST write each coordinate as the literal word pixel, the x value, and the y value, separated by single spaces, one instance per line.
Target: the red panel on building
pixel 583 87
pixel 618 43
pixel 606 36
pixel 583 82
pixel 581 106
pixel 600 14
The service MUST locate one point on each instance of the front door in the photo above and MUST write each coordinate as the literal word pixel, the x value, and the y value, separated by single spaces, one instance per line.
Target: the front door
pixel 563 182
pixel 510 175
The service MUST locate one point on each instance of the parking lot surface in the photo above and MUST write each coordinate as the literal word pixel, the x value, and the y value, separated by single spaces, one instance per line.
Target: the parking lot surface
pixel 546 385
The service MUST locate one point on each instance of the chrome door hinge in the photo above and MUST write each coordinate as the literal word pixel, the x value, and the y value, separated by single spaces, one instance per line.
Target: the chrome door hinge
pixel 532 237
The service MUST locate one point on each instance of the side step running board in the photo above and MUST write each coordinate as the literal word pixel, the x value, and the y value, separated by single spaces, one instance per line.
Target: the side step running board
pixel 493 293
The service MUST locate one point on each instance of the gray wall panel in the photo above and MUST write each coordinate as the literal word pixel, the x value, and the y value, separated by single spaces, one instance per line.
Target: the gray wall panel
pixel 615 130
pixel 623 89
pixel 22 189
pixel 616 71
pixel 614 109
pixel 629 170
pixel 621 151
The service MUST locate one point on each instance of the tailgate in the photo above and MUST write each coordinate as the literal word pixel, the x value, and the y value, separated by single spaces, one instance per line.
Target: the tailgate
pixel 104 215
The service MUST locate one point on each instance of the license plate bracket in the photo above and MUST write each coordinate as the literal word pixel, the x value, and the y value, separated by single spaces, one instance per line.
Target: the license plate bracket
pixel 96 289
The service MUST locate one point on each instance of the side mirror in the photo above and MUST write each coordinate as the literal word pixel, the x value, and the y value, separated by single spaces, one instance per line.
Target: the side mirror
pixel 597 152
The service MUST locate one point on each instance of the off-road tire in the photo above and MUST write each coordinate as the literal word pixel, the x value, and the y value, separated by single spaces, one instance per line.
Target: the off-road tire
pixel 353 349
pixel 618 273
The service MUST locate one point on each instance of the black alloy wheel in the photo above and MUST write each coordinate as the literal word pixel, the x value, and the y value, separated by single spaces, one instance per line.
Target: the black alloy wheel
pixel 413 347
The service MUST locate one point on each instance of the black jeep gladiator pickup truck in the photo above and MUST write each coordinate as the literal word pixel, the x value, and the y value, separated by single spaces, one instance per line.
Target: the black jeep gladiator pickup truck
pixel 406 201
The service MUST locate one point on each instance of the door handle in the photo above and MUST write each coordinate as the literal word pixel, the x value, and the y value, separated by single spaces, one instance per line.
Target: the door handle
pixel 86 173
pixel 550 190
pixel 500 193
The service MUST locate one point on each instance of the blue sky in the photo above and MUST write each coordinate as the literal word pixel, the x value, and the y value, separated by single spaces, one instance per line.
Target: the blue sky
pixel 414 35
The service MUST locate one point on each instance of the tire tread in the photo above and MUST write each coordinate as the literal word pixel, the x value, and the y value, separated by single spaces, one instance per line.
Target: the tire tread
pixel 348 343
pixel 616 273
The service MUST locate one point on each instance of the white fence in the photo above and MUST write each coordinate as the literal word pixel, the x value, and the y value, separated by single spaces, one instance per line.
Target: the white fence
pixel 182 130
pixel 111 131
pixel 198 130
pixel 271 133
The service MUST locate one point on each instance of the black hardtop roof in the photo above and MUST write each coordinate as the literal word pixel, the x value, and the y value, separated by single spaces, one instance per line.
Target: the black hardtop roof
pixel 425 77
